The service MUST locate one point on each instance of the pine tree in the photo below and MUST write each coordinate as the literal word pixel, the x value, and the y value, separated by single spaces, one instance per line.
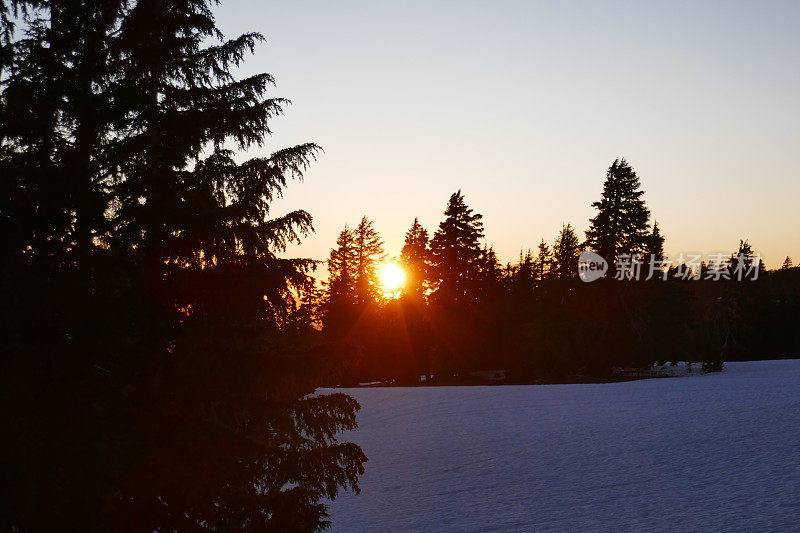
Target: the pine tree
pixel 787 263
pixel 455 251
pixel 489 272
pixel 543 261
pixel 525 273
pixel 342 265
pixel 118 126
pixel 620 226
pixel 414 258
pixel 653 249
pixel 565 253
pixel 368 249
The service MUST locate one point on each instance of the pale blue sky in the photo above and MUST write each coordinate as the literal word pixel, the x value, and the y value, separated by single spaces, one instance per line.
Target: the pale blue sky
pixel 523 105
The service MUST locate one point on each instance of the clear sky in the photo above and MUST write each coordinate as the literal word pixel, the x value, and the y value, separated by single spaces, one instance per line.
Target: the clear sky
pixel 523 106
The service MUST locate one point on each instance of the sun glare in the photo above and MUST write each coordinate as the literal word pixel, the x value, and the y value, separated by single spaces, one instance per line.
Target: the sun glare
pixel 392 277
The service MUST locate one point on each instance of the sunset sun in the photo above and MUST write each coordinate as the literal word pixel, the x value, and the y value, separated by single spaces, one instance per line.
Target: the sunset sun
pixel 392 277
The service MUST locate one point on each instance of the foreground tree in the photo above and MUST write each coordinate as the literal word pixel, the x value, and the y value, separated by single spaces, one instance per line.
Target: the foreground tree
pixel 149 328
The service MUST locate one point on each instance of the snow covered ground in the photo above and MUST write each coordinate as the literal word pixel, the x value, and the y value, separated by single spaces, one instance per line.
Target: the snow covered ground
pixel 707 452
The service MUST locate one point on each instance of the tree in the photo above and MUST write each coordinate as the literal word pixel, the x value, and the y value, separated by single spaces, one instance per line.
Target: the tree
pixel 543 261
pixel 787 263
pixel 620 226
pixel 150 296
pixel 565 253
pixel 368 250
pixel 524 274
pixel 414 258
pixel 455 251
pixel 653 249
pixel 342 268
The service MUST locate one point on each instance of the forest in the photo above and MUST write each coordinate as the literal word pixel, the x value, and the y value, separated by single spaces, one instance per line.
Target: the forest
pixel 460 314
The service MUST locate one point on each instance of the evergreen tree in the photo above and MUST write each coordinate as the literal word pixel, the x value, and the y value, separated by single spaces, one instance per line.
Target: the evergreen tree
pixel 368 249
pixel 342 265
pixel 620 226
pixel 543 261
pixel 653 249
pixel 489 271
pixel 525 273
pixel 787 263
pixel 149 297
pixel 455 251
pixel 414 258
pixel 565 253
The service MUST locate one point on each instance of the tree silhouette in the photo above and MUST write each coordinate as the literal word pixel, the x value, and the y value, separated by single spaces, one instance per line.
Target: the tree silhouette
pixel 369 254
pixel 620 226
pixel 455 251
pixel 151 329
pixel 653 249
pixel 565 253
pixel 543 261
pixel 342 268
pixel 414 258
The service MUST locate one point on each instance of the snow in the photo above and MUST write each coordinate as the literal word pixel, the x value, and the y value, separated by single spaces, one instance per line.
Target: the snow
pixel 706 452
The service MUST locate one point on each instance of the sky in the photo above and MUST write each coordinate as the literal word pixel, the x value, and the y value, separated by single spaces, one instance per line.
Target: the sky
pixel 524 105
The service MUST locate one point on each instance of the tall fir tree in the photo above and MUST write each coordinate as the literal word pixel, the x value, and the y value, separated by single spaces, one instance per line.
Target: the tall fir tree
pixel 342 264
pixel 369 254
pixel 543 261
pixel 456 251
pixel 621 223
pixel 152 295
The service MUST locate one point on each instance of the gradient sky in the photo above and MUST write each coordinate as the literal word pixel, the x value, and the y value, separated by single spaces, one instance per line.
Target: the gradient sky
pixel 523 106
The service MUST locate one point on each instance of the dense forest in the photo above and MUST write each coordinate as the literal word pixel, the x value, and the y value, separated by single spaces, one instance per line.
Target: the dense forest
pixel 462 317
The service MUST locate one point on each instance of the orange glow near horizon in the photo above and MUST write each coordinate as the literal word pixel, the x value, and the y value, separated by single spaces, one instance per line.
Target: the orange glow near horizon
pixel 392 278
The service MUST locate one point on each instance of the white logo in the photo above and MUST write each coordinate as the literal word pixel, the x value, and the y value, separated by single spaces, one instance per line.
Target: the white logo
pixel 591 266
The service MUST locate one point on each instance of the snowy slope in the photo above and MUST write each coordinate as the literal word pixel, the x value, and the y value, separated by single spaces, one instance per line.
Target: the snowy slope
pixel 707 452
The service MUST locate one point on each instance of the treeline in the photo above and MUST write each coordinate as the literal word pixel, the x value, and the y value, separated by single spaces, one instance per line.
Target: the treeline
pixel 461 313
pixel 148 383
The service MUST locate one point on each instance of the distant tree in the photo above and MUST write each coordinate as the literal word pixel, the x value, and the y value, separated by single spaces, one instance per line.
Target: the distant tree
pixel 414 258
pixel 455 251
pixel 489 271
pixel 749 259
pixel 308 315
pixel 787 263
pixel 524 272
pixel 565 253
pixel 543 261
pixel 620 226
pixel 342 268
pixel 369 254
pixel 653 249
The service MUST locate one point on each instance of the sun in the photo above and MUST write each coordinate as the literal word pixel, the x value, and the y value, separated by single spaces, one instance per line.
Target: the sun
pixel 392 277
